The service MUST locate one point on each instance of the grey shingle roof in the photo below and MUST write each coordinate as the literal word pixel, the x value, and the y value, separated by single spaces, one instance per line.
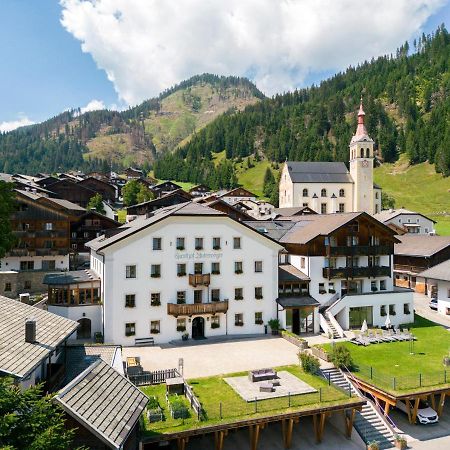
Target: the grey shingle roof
pixel 18 357
pixel 421 245
pixel 287 272
pixel 296 301
pixel 318 172
pixel 438 272
pixel 389 214
pixel 71 277
pixel 104 401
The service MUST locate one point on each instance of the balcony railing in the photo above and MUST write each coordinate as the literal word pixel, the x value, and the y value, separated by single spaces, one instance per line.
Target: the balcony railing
pixel 343 250
pixel 196 279
pixel 408 268
pixel 353 272
pixel 175 309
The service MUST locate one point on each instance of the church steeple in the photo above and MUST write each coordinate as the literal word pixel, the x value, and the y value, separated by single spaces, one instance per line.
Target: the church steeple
pixel 361 131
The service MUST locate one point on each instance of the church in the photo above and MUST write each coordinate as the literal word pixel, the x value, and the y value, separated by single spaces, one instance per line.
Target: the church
pixel 329 187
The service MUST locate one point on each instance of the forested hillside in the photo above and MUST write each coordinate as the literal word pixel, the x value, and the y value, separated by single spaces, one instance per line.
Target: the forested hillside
pixel 407 104
pixel 91 141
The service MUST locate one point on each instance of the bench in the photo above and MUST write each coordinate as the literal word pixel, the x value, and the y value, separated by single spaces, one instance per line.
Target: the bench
pixel 262 374
pixel 144 341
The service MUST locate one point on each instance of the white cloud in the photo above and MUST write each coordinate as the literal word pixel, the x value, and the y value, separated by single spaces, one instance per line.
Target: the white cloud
pixel 145 46
pixel 93 105
pixel 22 121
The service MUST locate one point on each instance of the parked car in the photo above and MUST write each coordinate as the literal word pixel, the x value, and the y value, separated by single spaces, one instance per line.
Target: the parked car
pixel 433 304
pixel 84 265
pixel 425 414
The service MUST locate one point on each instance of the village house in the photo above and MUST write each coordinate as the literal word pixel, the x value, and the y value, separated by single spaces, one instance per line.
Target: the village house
pixel 329 187
pixel 412 222
pixel 437 280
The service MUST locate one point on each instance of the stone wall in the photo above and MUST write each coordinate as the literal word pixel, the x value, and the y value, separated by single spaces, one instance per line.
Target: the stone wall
pixel 23 282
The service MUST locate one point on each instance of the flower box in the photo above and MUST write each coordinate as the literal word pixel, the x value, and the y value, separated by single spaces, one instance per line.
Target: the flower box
pixel 181 274
pixel 215 325
pixel 259 322
pixel 182 328
pixel 239 297
pixel 154 331
pixel 216 247
pixel 156 303
pixel 198 247
pixel 180 247
pixel 155 275
pixel 238 272
pixel 258 297
pixel 215 272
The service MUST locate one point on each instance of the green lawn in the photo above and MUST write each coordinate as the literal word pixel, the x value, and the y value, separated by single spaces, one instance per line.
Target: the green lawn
pixel 122 215
pixel 393 360
pixel 418 188
pixel 214 391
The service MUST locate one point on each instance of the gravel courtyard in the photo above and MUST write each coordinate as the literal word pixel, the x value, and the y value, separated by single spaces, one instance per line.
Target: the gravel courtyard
pixel 217 358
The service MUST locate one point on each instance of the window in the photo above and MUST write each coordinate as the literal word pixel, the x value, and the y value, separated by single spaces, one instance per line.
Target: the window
pixel 181 324
pixel 215 322
pixel 49 244
pixel 383 310
pixel 236 243
pixel 341 193
pixel 392 310
pixel 448 293
pixel 74 234
pixel 130 300
pixel 238 294
pixel 27 284
pixel 155 271
pixel 130 272
pixel 180 243
pixel 382 285
pixel 341 207
pixel 198 296
pixel 406 309
pixel 323 208
pixel 215 268
pixel 155 299
pixel 258 293
pixel 239 320
pixel 8 287
pixel 49 264
pixel 26 265
pixel 352 240
pixel 238 267
pixel 215 295
pixel 362 153
pixel 376 195
pixel 305 192
pixel 305 204
pixel 322 288
pixel 302 262
pixel 74 246
pixel 258 318
pixel 49 226
pixel 157 243
pixel 181 270
pixel 198 268
pixel 86 234
pixel 323 193
pixel 181 297
pixel 198 243
pixel 367 153
pixel 155 327
pixel 331 288
pixel 373 286
pixel 216 243
pixel 130 329
pixel 258 266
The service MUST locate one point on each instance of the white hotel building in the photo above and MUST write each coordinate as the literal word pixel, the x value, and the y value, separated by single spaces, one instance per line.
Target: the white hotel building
pixel 184 269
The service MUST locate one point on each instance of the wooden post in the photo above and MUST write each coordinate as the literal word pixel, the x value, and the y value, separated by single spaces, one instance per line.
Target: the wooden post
pixel 441 403
pixel 254 435
pixel 349 423
pixel 416 407
pixel 432 401
pixel 408 409
pixel 219 437
pixel 181 443
pixel 319 425
pixel 286 427
pixel 386 408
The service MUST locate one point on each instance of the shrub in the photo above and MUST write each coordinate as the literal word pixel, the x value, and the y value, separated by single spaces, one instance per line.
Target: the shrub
pixel 153 403
pixel 341 357
pixel 310 363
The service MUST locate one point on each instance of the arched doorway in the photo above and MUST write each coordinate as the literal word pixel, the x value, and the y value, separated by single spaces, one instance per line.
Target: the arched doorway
pixel 84 331
pixel 198 328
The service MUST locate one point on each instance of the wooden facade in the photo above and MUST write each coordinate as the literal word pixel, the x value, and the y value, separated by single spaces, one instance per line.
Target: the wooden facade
pixel 107 190
pixel 72 191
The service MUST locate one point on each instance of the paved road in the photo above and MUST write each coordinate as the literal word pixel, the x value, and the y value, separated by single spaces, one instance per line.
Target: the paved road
pixel 421 307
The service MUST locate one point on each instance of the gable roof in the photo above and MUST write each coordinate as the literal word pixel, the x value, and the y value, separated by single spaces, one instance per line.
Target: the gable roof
pixel 389 214
pixel 17 357
pixel 294 211
pixel 318 172
pixel 439 272
pixel 104 401
pixel 421 245
pixel 236 192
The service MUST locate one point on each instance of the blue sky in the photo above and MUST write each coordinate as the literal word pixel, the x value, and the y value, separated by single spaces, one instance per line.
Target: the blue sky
pixel 45 71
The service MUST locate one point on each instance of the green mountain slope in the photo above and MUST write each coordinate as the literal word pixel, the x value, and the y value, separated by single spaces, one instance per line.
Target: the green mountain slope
pixel 91 141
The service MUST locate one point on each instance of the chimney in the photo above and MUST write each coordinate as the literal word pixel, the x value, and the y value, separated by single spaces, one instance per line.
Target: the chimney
pixel 30 331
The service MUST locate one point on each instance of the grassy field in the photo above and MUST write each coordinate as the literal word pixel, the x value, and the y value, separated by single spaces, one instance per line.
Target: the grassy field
pixel 213 391
pixel 418 188
pixel 394 360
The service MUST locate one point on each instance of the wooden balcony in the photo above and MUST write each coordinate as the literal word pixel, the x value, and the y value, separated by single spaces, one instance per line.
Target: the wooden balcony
pixel 202 279
pixel 356 272
pixel 191 309
pixel 343 250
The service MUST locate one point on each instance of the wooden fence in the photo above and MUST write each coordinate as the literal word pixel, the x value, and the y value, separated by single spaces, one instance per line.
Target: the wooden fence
pixel 155 377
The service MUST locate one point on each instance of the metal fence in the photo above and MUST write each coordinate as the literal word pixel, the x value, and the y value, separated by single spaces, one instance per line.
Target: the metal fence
pixel 403 382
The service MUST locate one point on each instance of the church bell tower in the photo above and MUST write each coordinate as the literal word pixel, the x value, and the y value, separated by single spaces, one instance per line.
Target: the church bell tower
pixel 361 166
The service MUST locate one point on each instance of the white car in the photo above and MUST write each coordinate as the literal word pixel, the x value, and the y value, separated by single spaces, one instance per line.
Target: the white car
pixel 433 304
pixel 425 414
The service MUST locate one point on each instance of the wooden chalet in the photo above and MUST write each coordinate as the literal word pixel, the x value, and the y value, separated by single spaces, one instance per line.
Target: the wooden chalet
pixel 132 173
pixel 73 191
pixel 170 199
pixel 165 188
pixel 107 190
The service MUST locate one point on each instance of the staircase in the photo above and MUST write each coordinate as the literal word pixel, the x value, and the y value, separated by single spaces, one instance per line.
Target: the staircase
pixel 369 423
pixel 332 328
